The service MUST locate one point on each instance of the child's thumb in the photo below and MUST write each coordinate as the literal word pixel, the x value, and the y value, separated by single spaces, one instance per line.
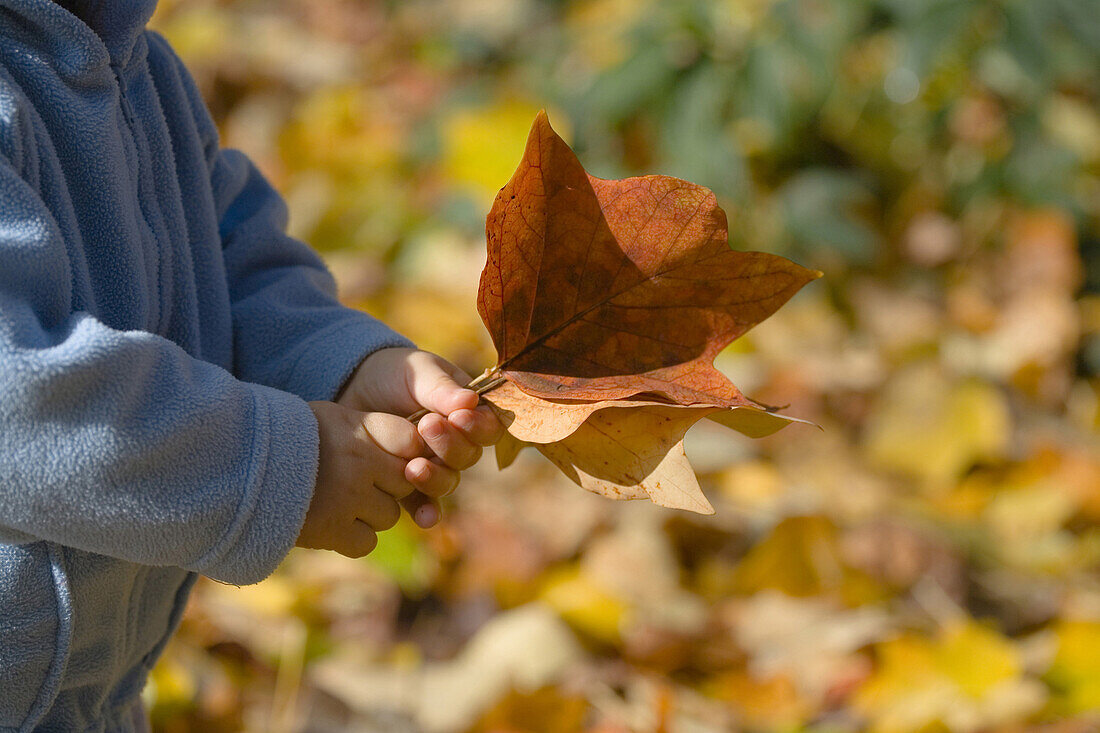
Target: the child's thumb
pixel 438 385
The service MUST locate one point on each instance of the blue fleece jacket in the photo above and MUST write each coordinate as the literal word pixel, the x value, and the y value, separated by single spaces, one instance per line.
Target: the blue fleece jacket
pixel 159 336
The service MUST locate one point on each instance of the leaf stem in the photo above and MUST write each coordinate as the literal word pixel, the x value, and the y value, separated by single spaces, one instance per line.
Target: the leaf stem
pixel 489 380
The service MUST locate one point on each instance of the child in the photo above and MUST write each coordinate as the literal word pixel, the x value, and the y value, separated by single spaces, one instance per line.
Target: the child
pixel 160 337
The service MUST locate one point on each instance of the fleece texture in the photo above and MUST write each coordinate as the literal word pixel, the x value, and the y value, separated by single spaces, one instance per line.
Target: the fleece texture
pixel 159 337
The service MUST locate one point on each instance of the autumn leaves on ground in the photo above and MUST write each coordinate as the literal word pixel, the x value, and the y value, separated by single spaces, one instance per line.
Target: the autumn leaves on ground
pixel 925 561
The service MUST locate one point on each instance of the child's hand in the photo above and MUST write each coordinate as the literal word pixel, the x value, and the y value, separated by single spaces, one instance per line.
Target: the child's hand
pixel 403 381
pixel 363 471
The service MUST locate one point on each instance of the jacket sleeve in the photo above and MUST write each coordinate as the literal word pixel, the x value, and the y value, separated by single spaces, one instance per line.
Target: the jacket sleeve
pixel 119 442
pixel 289 330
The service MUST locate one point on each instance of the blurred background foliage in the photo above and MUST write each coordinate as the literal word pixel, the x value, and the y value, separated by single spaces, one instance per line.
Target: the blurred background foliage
pixel 927 562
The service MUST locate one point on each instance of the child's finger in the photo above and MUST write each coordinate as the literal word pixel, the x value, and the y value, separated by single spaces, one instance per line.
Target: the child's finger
pixel 456 373
pixel 378 509
pixel 438 385
pixel 391 479
pixel 385 471
pixel 394 434
pixel 423 509
pixel 480 426
pixel 431 478
pixel 359 540
pixel 448 443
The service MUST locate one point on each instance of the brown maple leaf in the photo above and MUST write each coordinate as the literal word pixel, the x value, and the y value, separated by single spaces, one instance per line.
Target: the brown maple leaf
pixel 598 289
pixel 607 302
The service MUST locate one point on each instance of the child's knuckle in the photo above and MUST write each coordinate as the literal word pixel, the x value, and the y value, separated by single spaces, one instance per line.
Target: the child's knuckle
pixel 390 515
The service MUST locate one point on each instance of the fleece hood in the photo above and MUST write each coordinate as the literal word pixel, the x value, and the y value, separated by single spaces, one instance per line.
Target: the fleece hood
pixel 77 36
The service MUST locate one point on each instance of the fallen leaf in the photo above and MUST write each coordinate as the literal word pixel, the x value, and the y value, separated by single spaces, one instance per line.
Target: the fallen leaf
pixel 637 563
pixel 582 602
pixel 524 649
pixel 598 289
pixel 545 710
pixel 1075 671
pixel 773 703
pixel 479 145
pixel 968 678
pixel 801 557
pixel 934 428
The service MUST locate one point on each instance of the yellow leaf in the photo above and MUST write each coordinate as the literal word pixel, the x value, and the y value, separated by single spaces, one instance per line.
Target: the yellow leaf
pixel 801 558
pixel 337 128
pixel 976 658
pixel 1027 525
pixel 584 605
pixel 200 34
pixel 482 144
pixel 1075 672
pixel 932 429
pixel 969 677
pixel 172 684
